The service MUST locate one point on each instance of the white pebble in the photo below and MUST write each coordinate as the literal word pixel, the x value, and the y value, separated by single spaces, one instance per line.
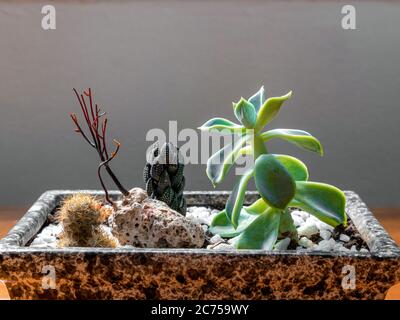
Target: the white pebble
pixel 343 249
pixel 326 245
pixel 364 250
pixel 37 242
pixel 282 244
pixel 325 234
pixel 353 248
pixel 298 221
pixel 304 215
pixel 344 238
pixel 308 229
pixel 200 215
pixel 306 243
pixel 49 239
pixel 324 226
pixel 221 246
pixel 215 239
pixel 339 246
pixel 189 210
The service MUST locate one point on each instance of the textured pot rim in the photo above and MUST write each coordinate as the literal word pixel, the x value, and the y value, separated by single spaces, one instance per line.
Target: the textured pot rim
pixel 381 245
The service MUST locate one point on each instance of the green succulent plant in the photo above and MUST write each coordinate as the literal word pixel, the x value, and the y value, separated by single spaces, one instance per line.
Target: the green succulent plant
pixel 281 180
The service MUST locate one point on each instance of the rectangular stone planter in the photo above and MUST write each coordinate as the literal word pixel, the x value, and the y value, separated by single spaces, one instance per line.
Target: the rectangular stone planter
pixel 97 273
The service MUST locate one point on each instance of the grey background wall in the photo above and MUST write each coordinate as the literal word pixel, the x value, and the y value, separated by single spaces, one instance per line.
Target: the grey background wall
pixel 154 61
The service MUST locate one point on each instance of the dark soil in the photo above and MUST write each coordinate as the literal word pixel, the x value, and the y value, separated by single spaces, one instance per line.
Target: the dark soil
pixel 351 231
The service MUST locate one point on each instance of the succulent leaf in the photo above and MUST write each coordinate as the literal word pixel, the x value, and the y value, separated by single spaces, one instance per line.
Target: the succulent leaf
pixel 235 201
pixel 256 207
pixel 262 233
pixel 257 100
pixel 222 225
pixel 269 110
pixel 222 125
pixel 220 162
pixel 294 166
pixel 324 201
pixel 300 138
pixel 245 113
pixel 273 181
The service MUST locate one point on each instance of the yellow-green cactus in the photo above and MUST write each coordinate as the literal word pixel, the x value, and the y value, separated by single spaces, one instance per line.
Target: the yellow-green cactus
pixel 81 217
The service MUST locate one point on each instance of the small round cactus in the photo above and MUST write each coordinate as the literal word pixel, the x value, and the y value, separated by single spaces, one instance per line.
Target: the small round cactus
pixel 163 175
pixel 81 217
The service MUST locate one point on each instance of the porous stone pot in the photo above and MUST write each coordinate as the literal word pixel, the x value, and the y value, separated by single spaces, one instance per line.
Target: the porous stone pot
pixel 133 273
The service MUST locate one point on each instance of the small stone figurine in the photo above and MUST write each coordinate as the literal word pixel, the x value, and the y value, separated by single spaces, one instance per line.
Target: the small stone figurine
pixel 163 175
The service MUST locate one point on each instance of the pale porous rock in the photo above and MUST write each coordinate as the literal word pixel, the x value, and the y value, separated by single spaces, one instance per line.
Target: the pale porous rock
pixel 143 222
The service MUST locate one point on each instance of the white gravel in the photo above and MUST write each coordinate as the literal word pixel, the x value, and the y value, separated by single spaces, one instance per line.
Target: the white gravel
pixel 344 238
pixel 306 224
pixel 282 244
pixel 306 243
pixel 48 237
pixel 308 229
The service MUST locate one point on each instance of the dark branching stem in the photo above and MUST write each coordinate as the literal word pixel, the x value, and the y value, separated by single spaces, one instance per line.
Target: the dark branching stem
pixel 105 163
pixel 96 123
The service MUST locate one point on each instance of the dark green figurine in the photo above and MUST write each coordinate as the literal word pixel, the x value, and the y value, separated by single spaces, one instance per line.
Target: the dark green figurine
pixel 163 175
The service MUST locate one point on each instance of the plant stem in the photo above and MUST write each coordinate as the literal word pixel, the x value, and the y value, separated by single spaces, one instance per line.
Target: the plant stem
pixel 287 227
pixel 259 147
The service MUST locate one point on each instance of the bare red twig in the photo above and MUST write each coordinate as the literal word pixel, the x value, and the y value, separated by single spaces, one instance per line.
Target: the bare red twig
pixel 96 137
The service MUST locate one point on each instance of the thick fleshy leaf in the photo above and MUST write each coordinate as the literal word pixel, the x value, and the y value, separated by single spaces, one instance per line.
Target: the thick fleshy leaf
pixel 269 110
pixel 222 125
pixel 220 162
pixel 235 201
pixel 245 113
pixel 257 100
pixel 296 168
pixel 324 201
pixel 261 233
pixel 298 137
pixel 273 181
pixel 256 207
pixel 222 225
